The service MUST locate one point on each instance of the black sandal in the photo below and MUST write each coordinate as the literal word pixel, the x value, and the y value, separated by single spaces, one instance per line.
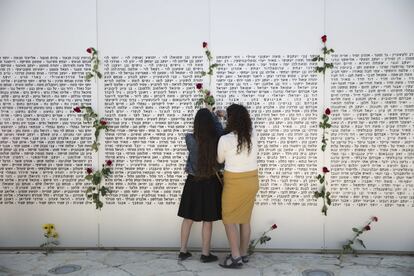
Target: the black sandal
pixel 245 259
pixel 235 263
pixel 184 255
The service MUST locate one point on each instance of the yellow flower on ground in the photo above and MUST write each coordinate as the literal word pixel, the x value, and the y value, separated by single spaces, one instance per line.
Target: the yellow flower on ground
pixel 45 227
pixel 52 226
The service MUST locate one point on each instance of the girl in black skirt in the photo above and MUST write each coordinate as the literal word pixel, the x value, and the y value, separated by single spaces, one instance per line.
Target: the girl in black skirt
pixel 201 198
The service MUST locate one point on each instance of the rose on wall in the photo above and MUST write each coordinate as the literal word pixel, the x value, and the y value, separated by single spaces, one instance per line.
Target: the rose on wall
pixel 262 240
pixel 324 125
pixel 321 59
pixel 98 124
pixel 322 192
pixel 97 191
pixel 322 66
pixel 349 245
pixel 94 64
pixel 206 96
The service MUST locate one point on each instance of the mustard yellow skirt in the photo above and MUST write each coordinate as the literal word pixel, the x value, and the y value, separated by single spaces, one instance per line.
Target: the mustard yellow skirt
pixel 239 194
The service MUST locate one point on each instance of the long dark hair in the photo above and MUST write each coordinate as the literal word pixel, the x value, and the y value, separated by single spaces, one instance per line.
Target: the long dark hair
pixel 239 122
pixel 207 137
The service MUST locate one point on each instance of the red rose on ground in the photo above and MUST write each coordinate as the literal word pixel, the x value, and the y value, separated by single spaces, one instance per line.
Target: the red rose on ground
pixel 325 170
pixel 327 111
pixel 103 122
pixel 367 228
pixel 375 219
pixel 108 162
pixel 77 109
pixel 199 85
pixel 274 226
pixel 204 44
pixel 89 50
pixel 324 38
pixel 89 170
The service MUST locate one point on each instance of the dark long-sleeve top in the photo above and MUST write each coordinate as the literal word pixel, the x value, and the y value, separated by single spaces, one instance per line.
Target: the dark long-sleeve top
pixel 191 165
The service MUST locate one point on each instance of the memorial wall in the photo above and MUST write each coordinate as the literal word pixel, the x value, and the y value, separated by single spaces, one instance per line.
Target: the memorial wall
pixel 151 59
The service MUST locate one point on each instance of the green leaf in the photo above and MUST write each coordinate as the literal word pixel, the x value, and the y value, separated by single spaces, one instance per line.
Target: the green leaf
pixel 317 195
pixel 106 172
pixel 97 178
pixel 323 147
pixel 319 176
pixel 203 74
pixel 88 76
pixel 103 190
pixel 325 210
pixel 199 102
pixel 328 199
pixel 96 134
pixel 322 179
pixel 361 242
pixel 328 125
pixel 355 230
pixel 99 74
pixel 315 58
pixel 89 177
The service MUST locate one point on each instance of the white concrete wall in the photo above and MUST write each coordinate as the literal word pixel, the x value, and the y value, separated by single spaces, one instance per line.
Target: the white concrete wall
pixel 161 27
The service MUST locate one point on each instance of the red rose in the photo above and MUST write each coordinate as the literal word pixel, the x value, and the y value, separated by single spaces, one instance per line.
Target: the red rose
pixel 77 109
pixel 325 170
pixel 89 170
pixel 103 122
pixel 367 228
pixel 204 44
pixel 89 50
pixel 199 85
pixel 274 226
pixel 108 162
pixel 375 219
pixel 327 111
pixel 324 38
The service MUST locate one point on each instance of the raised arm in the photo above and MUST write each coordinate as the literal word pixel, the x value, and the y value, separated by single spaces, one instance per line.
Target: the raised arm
pixel 218 125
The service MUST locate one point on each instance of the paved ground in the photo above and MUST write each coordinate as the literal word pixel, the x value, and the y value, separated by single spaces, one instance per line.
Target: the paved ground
pixel 103 262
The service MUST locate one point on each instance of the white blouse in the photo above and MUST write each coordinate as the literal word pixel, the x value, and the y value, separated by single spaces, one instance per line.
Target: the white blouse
pixel 237 162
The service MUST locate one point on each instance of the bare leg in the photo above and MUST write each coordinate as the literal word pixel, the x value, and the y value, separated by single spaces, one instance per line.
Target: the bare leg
pixel 245 231
pixel 185 234
pixel 206 237
pixel 233 236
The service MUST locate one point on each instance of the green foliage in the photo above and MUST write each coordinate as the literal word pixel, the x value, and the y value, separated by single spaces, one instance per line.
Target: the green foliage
pixel 349 245
pixel 322 59
pixel 262 240
pixel 89 115
pixel 206 97
pixel 94 66
pixel 96 191
pixel 325 195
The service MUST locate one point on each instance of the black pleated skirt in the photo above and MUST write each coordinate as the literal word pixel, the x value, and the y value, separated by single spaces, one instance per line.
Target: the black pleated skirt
pixel 201 199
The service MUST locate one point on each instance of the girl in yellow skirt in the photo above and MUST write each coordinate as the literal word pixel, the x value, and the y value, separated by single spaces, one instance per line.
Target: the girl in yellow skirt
pixel 238 149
